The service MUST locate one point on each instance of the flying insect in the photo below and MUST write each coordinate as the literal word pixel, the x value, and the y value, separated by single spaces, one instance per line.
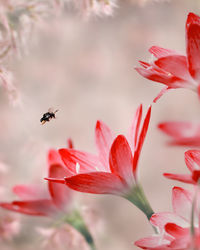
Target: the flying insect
pixel 48 116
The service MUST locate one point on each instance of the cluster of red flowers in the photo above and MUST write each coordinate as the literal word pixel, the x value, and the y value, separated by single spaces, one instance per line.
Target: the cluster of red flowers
pixel 113 170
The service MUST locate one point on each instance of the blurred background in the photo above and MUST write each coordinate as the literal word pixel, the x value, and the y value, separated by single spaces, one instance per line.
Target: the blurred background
pixel 85 68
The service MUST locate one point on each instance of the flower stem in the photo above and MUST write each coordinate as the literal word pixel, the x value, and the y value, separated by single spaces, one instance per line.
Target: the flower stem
pixel 138 198
pixel 76 221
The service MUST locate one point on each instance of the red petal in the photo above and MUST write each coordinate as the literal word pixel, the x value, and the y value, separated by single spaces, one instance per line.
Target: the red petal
pixel 196 175
pixel 87 162
pixel 160 52
pixel 134 130
pixel 121 159
pixel 180 129
pixel 70 143
pixel 176 65
pixel 155 75
pixel 54 157
pixel 141 140
pixel 180 177
pixel 182 202
pixel 181 242
pixel 192 19
pixel 175 230
pixel 55 180
pixel 191 142
pixel 37 207
pixel 192 159
pixel 96 183
pixel 153 242
pixel 161 219
pixel 30 192
pixel 161 93
pixel 144 64
pixel 104 139
pixel 193 44
pixel 60 193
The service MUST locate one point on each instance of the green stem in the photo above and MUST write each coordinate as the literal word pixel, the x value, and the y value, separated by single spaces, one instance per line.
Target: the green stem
pixel 138 198
pixel 194 203
pixel 192 230
pixel 76 221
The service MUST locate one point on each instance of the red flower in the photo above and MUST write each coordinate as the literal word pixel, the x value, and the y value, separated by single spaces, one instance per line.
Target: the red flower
pixel 114 170
pixel 38 202
pixel 173 69
pixel 192 160
pixel 182 133
pixel 174 229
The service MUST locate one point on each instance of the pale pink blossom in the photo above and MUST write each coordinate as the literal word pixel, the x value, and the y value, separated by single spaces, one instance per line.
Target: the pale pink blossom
pixel 9 226
pixel 176 230
pixel 95 7
pixel 62 238
pixel 93 220
pixel 7 82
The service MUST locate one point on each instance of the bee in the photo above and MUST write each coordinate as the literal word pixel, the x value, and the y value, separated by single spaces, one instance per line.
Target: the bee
pixel 48 116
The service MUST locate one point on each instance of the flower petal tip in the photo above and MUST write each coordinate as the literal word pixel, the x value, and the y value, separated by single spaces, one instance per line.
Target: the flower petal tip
pixel 62 181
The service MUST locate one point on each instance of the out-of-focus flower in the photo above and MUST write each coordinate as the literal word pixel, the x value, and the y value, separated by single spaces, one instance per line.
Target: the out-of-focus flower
pixel 9 226
pixel 176 230
pixel 38 202
pixel 173 69
pixel 145 2
pixel 95 7
pixel 192 160
pixel 17 20
pixel 182 133
pixel 114 170
pixel 52 202
pixel 7 82
pixel 3 178
pixel 93 220
pixel 63 237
